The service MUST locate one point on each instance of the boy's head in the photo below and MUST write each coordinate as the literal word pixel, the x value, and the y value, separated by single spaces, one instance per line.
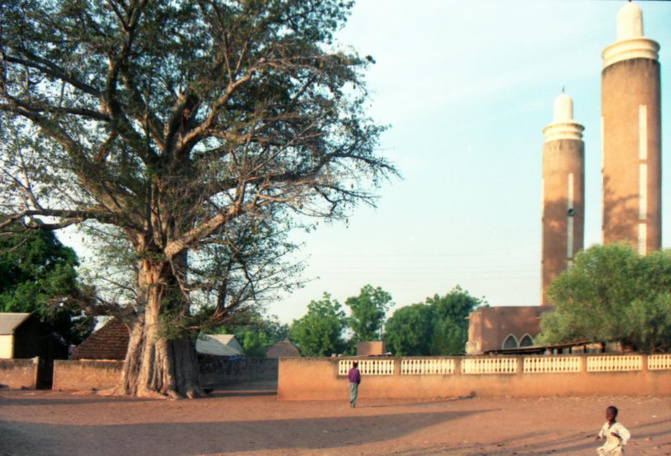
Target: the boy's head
pixel 355 364
pixel 611 413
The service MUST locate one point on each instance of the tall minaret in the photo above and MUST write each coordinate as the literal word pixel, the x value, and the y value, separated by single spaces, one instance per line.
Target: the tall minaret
pixel 631 136
pixel 563 192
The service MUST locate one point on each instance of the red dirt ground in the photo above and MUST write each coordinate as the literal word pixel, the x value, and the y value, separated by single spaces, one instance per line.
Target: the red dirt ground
pixel 250 421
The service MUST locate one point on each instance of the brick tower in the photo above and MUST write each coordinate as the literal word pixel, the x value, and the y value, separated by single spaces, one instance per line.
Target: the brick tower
pixel 631 136
pixel 563 193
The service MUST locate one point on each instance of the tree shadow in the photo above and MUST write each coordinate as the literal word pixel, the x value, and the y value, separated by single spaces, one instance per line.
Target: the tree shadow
pixel 21 398
pixel 181 438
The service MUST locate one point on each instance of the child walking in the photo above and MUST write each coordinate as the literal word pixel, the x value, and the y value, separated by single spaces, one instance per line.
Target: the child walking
pixel 615 434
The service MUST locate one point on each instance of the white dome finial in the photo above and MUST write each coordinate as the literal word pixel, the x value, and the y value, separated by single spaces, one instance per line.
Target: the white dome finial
pixel 629 22
pixel 563 125
pixel 563 109
pixel 631 43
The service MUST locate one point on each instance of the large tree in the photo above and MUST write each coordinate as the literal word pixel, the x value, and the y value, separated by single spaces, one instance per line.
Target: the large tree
pixel 190 131
pixel 613 294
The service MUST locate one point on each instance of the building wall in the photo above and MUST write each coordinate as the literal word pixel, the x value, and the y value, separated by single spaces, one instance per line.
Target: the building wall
pixel 217 370
pixel 489 327
pixel 19 373
pixel 416 378
pixel 370 348
pixel 6 346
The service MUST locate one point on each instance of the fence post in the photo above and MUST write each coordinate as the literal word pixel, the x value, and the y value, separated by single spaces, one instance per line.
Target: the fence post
pixel 583 363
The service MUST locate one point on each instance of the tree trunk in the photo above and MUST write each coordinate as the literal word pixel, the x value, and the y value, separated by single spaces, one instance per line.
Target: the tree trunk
pixel 155 365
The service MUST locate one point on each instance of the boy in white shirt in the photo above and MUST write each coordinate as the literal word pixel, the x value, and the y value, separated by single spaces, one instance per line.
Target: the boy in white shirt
pixel 615 434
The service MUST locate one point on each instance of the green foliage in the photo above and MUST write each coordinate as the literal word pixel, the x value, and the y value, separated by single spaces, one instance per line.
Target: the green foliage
pixel 368 311
pixel 37 274
pixel 437 327
pixel 320 331
pixel 612 294
pixel 408 330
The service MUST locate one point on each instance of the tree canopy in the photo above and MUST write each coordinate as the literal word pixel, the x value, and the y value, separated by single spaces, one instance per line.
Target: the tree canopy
pixel 437 327
pixel 37 274
pixel 195 133
pixel 320 331
pixel 368 312
pixel 612 294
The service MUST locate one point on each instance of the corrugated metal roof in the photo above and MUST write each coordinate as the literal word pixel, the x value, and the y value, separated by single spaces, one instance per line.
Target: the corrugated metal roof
pixel 215 345
pixel 10 321
pixel 228 339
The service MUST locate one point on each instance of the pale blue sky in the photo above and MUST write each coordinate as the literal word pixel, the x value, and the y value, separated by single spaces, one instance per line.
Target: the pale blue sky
pixel 467 87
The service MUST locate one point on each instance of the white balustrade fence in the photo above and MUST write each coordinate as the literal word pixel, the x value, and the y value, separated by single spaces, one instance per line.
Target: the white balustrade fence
pixel 493 365
pixel 614 363
pixel 427 366
pixel 546 365
pixel 506 365
pixel 368 366
pixel 659 362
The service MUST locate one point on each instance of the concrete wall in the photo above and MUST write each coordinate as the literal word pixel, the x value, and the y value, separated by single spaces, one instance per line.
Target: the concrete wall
pixel 216 370
pixel 318 379
pixel 86 375
pixel 101 374
pixel 19 373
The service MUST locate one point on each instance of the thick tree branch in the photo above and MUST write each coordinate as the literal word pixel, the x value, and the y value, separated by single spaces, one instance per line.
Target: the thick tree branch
pixel 49 68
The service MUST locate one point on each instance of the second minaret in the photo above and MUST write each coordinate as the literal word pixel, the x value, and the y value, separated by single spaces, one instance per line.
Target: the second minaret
pixel 563 193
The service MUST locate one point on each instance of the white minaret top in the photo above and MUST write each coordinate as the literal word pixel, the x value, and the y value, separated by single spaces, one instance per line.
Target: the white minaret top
pixel 563 126
pixel 563 109
pixel 629 22
pixel 630 44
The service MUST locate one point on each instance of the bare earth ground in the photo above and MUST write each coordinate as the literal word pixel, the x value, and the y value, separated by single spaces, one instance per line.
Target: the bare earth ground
pixel 251 421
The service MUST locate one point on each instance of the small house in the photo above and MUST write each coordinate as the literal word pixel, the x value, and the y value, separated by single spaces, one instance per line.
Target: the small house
pixel 24 336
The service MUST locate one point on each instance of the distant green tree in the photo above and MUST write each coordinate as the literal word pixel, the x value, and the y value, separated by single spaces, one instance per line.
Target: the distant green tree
pixel 612 294
pixel 407 332
pixel 37 274
pixel 368 311
pixel 450 329
pixel 437 327
pixel 320 331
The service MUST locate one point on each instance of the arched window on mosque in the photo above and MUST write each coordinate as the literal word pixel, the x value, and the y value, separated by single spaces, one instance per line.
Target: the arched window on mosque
pixel 510 342
pixel 527 341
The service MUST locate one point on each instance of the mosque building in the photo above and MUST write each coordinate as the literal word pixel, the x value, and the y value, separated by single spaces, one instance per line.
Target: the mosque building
pixel 631 179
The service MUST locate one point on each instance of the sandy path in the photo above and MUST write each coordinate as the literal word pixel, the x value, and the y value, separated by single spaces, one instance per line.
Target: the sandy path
pixel 253 422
